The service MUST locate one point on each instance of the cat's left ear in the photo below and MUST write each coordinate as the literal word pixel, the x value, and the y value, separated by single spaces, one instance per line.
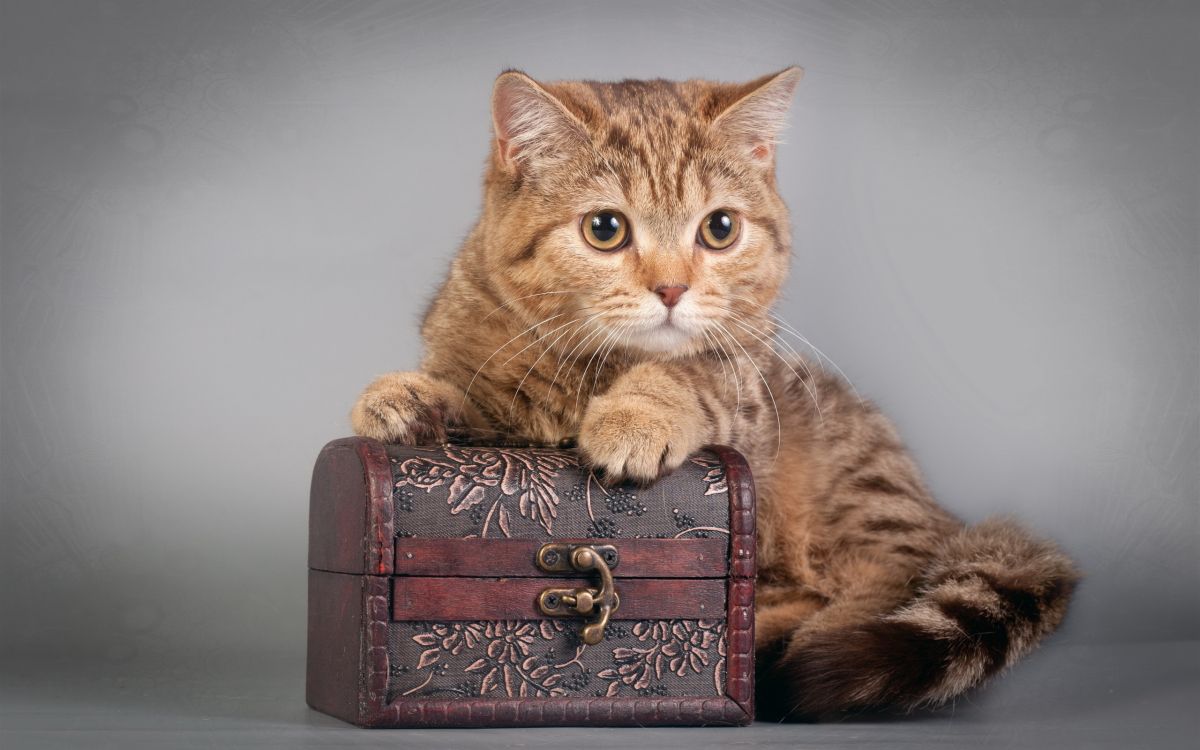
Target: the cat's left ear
pixel 532 126
pixel 759 113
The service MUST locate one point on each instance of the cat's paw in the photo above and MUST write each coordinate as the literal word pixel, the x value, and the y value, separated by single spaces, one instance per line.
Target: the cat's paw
pixel 406 407
pixel 631 437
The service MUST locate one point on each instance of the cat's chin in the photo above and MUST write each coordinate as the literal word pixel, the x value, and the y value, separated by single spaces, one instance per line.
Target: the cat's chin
pixel 667 340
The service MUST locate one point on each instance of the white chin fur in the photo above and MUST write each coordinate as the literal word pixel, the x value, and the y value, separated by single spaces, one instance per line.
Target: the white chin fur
pixel 659 340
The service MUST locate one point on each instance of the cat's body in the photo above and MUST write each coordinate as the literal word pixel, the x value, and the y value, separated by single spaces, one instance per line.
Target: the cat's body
pixel 870 595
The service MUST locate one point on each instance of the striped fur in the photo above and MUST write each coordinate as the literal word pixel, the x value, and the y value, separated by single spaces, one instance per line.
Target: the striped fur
pixel 870 595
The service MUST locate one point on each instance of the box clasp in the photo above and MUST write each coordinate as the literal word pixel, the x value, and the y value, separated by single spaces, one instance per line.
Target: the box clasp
pixel 594 604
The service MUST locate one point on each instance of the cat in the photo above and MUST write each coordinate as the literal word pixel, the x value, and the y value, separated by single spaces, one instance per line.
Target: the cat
pixel 616 293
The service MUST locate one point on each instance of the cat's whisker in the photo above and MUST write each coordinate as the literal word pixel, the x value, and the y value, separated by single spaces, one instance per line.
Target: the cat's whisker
pixel 512 405
pixel 583 376
pixel 566 356
pixel 622 333
pixel 467 392
pixel 820 354
pixel 535 341
pixel 737 379
pixel 770 340
pixel 606 347
pixel 582 347
pixel 767 385
pixel 772 335
pixel 724 367
pixel 791 329
pixel 518 299
pixel 770 345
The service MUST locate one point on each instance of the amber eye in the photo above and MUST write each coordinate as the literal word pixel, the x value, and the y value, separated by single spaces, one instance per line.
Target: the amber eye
pixel 718 230
pixel 605 230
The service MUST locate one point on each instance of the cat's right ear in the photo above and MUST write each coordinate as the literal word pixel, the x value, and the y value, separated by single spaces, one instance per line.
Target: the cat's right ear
pixel 532 127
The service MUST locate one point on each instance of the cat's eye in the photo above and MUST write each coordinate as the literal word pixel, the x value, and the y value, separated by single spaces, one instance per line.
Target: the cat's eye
pixel 719 230
pixel 605 230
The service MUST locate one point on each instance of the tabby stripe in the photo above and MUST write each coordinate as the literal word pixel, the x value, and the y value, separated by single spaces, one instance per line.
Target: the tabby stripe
pixel 892 525
pixel 529 251
pixel 878 484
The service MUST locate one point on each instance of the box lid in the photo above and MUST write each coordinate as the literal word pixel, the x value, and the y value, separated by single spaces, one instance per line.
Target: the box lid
pixel 470 510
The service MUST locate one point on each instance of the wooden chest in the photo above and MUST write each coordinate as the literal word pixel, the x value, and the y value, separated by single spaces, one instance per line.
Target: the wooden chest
pixel 463 586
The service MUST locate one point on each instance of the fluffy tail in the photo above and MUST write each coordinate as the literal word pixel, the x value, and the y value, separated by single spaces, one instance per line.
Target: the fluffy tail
pixel 988 596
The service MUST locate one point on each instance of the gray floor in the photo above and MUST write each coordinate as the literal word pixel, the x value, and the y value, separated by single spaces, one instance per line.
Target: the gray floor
pixel 1065 696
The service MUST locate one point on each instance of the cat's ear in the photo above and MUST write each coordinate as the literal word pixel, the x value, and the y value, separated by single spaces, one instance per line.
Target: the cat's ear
pixel 532 126
pixel 759 113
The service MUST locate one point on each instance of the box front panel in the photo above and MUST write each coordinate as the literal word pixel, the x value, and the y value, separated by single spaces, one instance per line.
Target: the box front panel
pixel 478 494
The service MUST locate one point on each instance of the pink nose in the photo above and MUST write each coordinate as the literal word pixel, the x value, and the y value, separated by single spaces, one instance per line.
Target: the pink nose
pixel 670 294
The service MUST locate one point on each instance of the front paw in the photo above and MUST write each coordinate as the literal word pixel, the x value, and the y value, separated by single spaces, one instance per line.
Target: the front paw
pixel 406 407
pixel 630 437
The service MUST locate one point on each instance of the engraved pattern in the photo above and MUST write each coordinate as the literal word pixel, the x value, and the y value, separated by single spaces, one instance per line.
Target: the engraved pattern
pixel 469 474
pixel 540 493
pixel 546 659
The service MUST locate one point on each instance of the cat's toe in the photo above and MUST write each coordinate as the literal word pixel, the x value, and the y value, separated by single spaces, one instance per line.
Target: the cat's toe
pixel 401 408
pixel 627 443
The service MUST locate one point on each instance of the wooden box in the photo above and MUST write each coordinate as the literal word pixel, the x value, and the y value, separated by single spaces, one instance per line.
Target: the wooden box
pixel 428 580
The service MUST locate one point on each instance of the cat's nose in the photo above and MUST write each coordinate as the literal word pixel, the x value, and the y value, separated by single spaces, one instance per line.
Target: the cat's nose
pixel 670 294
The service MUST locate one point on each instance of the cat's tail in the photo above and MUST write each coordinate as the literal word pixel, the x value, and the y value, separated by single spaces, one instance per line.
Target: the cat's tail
pixel 989 594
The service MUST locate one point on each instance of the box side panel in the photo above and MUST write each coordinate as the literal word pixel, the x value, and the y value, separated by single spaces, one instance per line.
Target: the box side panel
pixel 335 649
pixel 350 509
pixel 337 511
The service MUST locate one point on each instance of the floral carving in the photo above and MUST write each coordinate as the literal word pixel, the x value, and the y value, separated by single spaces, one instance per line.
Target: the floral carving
pixel 470 491
pixel 518 659
pixel 671 647
pixel 473 474
pixel 714 475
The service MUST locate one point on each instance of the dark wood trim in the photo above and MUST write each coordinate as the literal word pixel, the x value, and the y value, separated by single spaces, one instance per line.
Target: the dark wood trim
pixel 445 599
pixel 376 605
pixel 496 558
pixel 377 472
pixel 739 646
pixel 556 712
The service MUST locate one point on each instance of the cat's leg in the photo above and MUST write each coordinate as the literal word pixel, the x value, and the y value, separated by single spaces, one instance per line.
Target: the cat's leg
pixel 920 607
pixel 407 407
pixel 651 419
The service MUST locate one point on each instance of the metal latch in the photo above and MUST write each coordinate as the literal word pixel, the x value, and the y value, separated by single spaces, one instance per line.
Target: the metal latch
pixel 595 604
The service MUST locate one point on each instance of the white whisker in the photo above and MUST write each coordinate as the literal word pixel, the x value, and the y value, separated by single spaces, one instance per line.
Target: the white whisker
pixel 769 344
pixel 790 329
pixel 518 299
pixel 512 404
pixel 498 350
pixel 567 357
pixel 737 379
pixel 621 332
pixel 770 393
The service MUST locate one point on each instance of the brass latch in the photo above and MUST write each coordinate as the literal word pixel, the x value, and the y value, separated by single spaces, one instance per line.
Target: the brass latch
pixel 596 604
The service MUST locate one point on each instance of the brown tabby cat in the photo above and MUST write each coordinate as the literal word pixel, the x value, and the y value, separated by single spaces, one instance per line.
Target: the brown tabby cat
pixel 617 291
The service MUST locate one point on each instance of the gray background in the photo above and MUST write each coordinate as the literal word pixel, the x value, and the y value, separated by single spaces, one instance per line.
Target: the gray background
pixel 220 220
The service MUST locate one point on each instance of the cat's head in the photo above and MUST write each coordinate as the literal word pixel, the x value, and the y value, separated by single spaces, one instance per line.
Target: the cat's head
pixel 643 213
